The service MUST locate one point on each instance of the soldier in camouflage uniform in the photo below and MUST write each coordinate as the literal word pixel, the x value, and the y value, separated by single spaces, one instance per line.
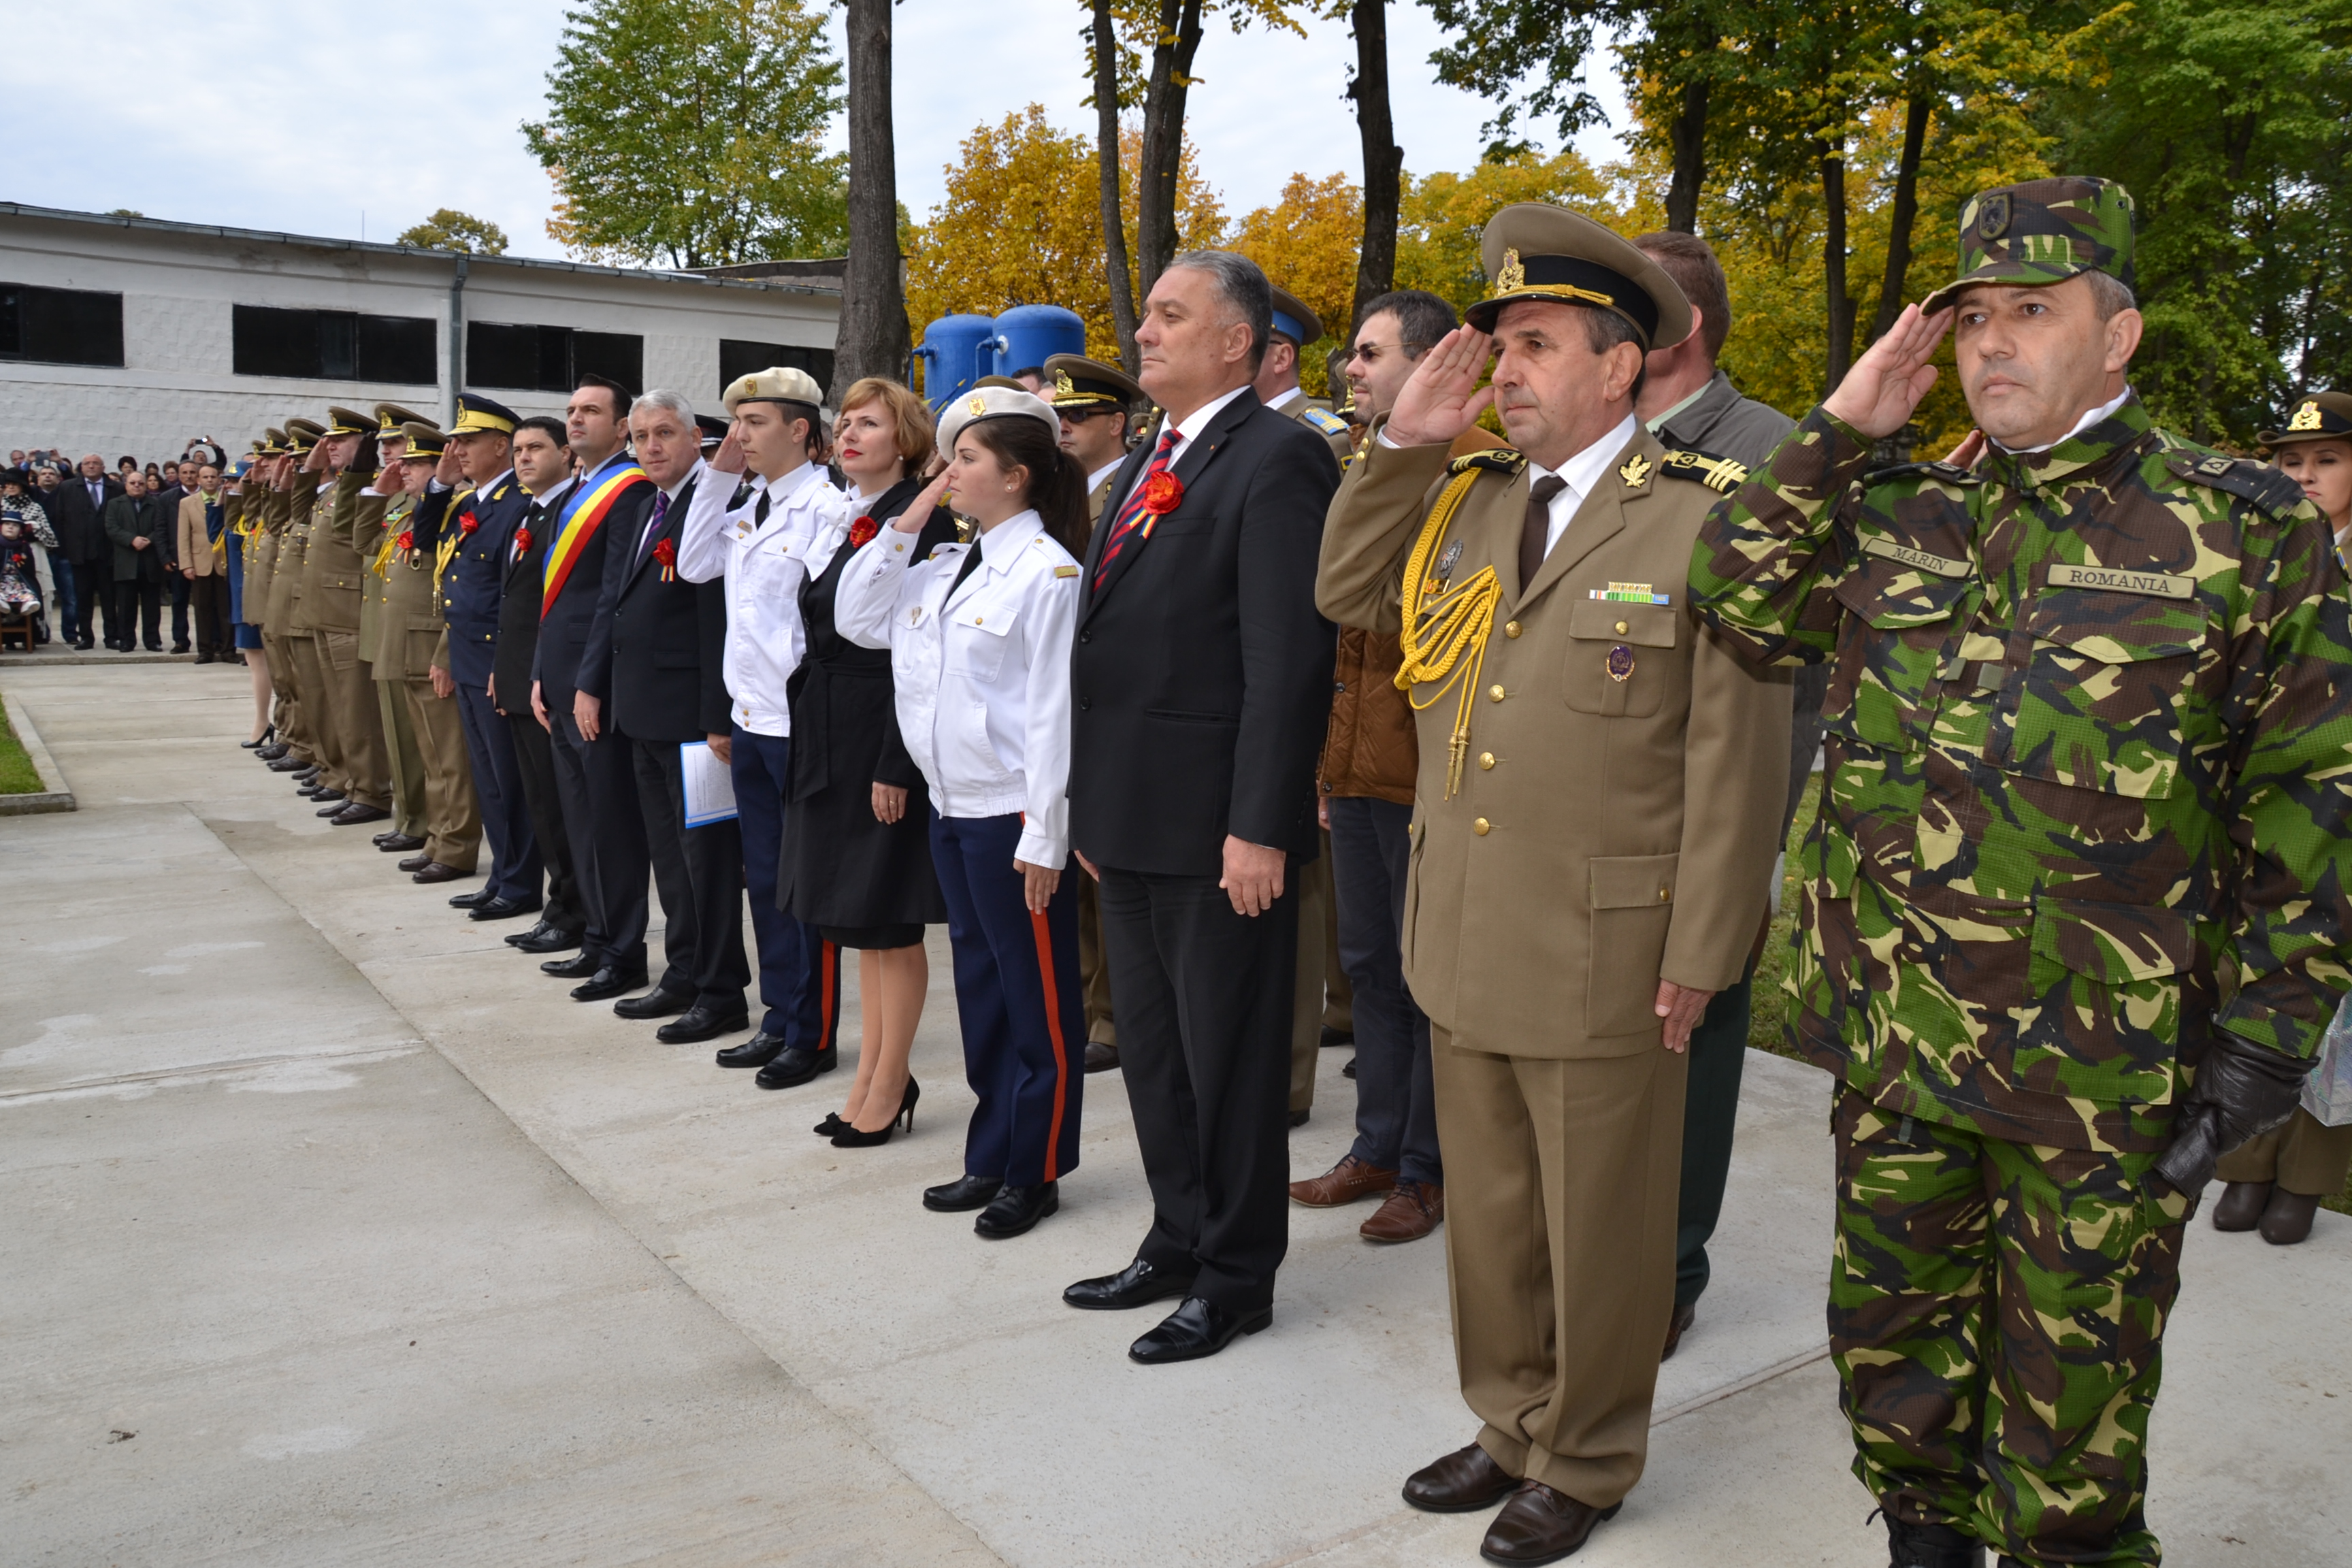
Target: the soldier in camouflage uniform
pixel 2075 905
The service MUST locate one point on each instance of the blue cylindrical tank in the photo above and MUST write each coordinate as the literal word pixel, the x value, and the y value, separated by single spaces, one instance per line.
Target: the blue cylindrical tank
pixel 1026 335
pixel 956 351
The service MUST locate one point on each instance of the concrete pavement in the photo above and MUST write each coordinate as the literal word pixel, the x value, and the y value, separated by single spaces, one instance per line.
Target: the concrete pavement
pixel 268 1111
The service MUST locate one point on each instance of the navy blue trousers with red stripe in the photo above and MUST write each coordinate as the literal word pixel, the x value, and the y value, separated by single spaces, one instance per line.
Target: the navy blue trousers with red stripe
pixel 800 972
pixel 1016 980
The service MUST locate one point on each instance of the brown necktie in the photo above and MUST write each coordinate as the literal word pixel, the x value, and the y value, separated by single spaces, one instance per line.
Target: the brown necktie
pixel 1537 529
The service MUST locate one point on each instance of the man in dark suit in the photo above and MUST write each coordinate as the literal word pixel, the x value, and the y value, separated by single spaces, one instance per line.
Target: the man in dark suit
pixel 134 526
pixel 77 513
pixel 595 772
pixel 1201 678
pixel 469 570
pixel 544 469
pixel 652 679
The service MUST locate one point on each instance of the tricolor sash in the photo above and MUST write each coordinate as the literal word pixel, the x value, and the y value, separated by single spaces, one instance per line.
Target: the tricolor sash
pixel 577 523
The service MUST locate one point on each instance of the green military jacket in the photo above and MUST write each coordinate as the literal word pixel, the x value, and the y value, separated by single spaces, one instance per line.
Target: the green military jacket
pixel 2088 776
pixel 293 546
pixel 332 565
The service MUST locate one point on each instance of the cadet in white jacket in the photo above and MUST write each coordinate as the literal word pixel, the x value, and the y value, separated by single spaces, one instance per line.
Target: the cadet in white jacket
pixel 978 636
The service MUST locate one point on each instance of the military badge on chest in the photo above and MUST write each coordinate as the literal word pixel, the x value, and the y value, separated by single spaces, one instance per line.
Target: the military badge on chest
pixel 1619 663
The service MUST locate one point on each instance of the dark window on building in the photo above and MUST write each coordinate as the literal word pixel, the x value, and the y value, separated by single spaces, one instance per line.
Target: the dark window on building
pixel 333 345
pixel 60 326
pixel 738 358
pixel 550 359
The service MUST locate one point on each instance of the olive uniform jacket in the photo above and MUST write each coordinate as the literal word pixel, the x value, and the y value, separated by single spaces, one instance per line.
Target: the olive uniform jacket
pixel 285 613
pixel 331 566
pixel 411 636
pixel 1613 819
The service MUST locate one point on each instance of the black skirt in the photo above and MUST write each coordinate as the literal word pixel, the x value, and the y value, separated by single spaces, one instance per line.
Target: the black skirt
pixel 840 866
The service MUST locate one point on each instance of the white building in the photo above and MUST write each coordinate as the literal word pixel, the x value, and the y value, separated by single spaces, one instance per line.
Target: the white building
pixel 133 335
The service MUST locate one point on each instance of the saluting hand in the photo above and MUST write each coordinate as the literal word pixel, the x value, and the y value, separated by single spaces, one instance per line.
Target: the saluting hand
pixel 1877 395
pixel 1443 398
pixel 918 510
pixel 729 459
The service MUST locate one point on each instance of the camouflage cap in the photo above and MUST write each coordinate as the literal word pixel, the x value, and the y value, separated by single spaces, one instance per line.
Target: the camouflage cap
pixel 2042 232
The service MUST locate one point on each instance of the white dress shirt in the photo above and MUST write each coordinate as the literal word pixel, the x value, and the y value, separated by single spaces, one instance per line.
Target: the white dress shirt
pixel 981 674
pixel 765 565
pixel 1094 479
pixel 1579 477
pixel 1189 427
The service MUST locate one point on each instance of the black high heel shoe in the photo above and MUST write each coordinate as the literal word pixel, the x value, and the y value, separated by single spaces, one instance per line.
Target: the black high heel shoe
pixel 268 733
pixel 832 1124
pixel 849 1137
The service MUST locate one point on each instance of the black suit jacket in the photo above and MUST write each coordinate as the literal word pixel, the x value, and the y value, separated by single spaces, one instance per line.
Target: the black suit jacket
pixel 1201 676
pixel 82 527
pixel 658 650
pixel 566 622
pixel 516 662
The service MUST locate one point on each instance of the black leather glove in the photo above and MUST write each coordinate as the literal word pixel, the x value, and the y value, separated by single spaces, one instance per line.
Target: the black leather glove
pixel 2242 1092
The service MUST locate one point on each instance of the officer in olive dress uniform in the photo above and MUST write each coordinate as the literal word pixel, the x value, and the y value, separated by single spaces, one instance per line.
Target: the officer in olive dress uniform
pixel 372 540
pixel 1565 920
pixel 1323 1004
pixel 331 570
pixel 413 663
pixel 265 527
pixel 1095 401
pixel 292 628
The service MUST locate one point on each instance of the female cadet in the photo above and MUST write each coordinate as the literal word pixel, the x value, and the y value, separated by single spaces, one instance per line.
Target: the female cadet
pixel 978 636
pixel 856 856
pixel 2276 1181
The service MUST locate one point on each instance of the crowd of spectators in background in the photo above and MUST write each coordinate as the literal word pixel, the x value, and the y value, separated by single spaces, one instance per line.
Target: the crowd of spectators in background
pixel 105 551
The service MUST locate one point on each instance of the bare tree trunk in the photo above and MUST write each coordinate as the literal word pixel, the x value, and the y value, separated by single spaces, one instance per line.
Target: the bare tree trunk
pixel 1689 133
pixel 873 338
pixel 1906 214
pixel 1839 310
pixel 1383 159
pixel 1163 137
pixel 1114 262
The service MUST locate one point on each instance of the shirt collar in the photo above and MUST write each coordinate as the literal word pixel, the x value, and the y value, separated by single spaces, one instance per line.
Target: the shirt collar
pixel 2084 423
pixel 1189 428
pixel 780 490
pixel 692 474
pixel 554 498
pixel 1582 472
pixel 1095 479
pixel 491 489
pixel 997 545
pixel 1282 400
pixel 1658 425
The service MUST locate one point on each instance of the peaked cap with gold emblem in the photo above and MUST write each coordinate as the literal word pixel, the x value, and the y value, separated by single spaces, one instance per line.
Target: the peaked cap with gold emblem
pixel 425 442
pixel 2316 416
pixel 1534 250
pixel 390 418
pixel 477 416
pixel 1084 384
pixel 342 421
pixel 301 435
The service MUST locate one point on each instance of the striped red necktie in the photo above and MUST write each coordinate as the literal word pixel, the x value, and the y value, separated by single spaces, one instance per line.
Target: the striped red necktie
pixel 1131 514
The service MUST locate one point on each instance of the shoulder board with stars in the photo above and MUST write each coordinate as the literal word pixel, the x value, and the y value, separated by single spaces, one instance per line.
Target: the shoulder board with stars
pixel 1329 423
pixel 2266 487
pixel 1718 474
pixel 1502 459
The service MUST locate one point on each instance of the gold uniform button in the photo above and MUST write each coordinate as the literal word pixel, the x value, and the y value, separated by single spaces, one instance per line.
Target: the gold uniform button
pixel 1486 759
pixel 1480 827
pixel 1621 628
pixel 1510 628
pixel 1664 893
pixel 1495 692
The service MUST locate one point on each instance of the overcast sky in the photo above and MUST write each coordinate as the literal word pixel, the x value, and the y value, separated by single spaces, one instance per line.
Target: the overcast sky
pixel 372 116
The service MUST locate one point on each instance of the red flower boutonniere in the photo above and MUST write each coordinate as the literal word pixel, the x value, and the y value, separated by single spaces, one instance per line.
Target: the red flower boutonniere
pixel 1164 492
pixel 665 553
pixel 522 542
pixel 406 543
pixel 862 530
pixel 467 524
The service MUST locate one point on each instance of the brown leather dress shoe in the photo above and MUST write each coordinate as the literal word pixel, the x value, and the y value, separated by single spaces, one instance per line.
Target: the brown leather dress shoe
pixel 1684 1312
pixel 434 871
pixel 1411 1212
pixel 1101 1057
pixel 1462 1482
pixel 2286 1219
pixel 1541 1525
pixel 1344 1182
pixel 2241 1205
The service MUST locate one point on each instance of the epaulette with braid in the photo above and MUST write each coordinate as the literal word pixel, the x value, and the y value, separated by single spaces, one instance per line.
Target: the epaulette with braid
pixel 2264 486
pixel 1715 473
pixel 1502 459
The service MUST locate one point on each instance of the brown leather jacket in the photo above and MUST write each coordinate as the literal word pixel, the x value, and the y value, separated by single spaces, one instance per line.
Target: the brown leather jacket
pixel 1370 748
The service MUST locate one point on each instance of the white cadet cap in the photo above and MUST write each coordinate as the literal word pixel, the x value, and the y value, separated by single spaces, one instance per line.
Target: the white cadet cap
pixel 994 402
pixel 777 384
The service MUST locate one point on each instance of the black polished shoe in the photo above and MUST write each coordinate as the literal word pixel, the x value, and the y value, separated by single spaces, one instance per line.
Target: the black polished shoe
pixel 283 763
pixel 1928 1545
pixel 793 1067
pixel 1298 1119
pixel 657 1002
pixel 579 967
pixel 480 895
pixel 398 843
pixel 272 752
pixel 1349 1070
pixel 1016 1209
pixel 1101 1057
pixel 358 812
pixel 757 1052
pixel 1196 1328
pixel 833 1126
pixel 698 1024
pixel 335 805
pixel 434 871
pixel 1137 1285
pixel 1331 1036
pixel 413 863
pixel 502 909
pixel 963 1194
pixel 544 938
pixel 608 983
